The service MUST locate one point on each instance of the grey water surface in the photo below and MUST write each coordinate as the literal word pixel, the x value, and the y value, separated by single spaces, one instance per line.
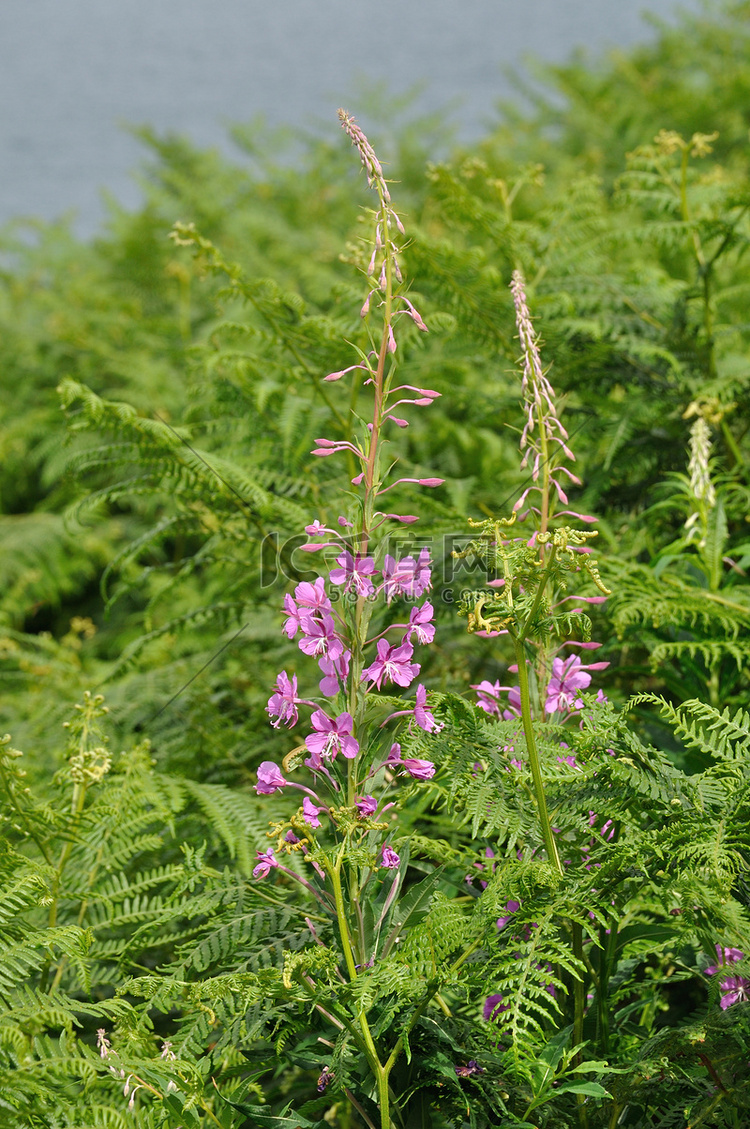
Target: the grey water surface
pixel 73 72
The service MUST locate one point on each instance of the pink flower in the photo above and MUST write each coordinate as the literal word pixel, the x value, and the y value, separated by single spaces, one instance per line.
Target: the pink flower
pixel 354 572
pixel 734 990
pixel 726 956
pixel 568 677
pixel 424 717
pixel 313 595
pixel 331 736
pixel 488 699
pixel 419 713
pixel 266 863
pixel 326 447
pixel 607 829
pixel 414 314
pixel 418 769
pixel 393 665
pixel 394 754
pixel 389 859
pixel 310 812
pixel 342 372
pixel 390 577
pixel 488 695
pixel 334 671
pixel 420 623
pixel 294 617
pixel 407 577
pixel 269 779
pixel 366 806
pixel 514 704
pixel 405 519
pixel 422 578
pixel 320 637
pixel 283 704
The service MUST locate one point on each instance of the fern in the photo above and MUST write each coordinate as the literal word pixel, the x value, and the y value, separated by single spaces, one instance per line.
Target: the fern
pixel 702 727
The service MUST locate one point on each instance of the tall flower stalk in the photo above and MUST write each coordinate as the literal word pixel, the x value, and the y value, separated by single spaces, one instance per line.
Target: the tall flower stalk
pixel 544 444
pixel 527 599
pixel 339 830
pixel 543 435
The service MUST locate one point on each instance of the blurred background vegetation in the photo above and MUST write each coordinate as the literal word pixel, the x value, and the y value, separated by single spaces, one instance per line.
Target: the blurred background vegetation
pixel 160 401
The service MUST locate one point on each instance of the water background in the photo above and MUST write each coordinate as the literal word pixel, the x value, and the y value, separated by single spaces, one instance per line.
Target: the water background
pixel 73 72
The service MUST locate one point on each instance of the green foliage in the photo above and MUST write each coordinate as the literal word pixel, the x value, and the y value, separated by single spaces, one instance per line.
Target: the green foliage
pixel 95 887
pixel 149 536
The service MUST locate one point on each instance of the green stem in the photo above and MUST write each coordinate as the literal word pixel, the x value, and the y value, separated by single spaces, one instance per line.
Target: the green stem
pixel 704 265
pixel 343 923
pixel 538 596
pixel 546 475
pixel 381 1075
pixel 209 1112
pixel 384 1099
pixel 579 995
pixel 579 1003
pixel 359 1109
pixel 608 945
pixel 371 482
pixel 536 772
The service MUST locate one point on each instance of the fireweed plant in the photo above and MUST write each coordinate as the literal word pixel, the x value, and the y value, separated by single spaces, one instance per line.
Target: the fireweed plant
pixel 527 600
pixel 345 828
pixel 605 814
pixel 468 981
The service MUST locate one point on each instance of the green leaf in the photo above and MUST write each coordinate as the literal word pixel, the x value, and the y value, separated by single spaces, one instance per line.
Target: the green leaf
pixel 184 1114
pixel 551 1054
pixel 262 1117
pixel 413 907
pixel 591 1089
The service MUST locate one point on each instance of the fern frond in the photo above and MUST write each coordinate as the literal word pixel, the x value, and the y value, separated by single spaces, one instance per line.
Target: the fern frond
pixel 702 727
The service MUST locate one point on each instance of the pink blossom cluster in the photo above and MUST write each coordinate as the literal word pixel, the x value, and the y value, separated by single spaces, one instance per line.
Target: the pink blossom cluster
pixel 321 632
pixel 568 677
